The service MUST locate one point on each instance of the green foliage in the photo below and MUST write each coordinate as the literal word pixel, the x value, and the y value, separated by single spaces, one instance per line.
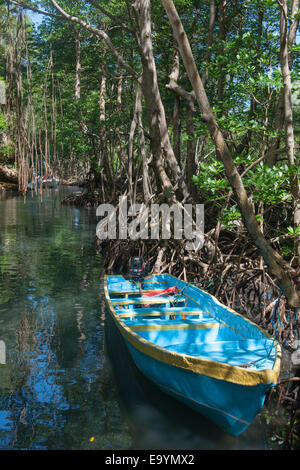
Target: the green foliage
pixel 6 150
pixel 269 185
pixel 244 64
pixel 228 217
pixel 3 123
pixel 294 232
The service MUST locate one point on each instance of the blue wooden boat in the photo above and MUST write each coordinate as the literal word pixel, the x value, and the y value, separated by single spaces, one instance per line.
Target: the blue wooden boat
pixel 194 348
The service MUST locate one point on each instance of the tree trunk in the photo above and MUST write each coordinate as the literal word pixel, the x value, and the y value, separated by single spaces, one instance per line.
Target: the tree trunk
pixel 146 179
pixel 177 130
pixel 159 136
pixel 272 151
pixel 176 110
pixel 191 167
pixel 288 120
pixel 78 65
pixel 180 93
pixel 133 126
pixel 102 118
pixel 120 150
pixel 222 38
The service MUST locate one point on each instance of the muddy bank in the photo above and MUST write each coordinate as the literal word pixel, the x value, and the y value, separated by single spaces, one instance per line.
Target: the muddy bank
pixel 8 178
pixel 231 269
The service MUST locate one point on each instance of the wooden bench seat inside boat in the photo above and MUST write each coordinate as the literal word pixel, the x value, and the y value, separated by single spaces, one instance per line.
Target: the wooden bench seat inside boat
pixel 132 292
pixel 148 300
pixel 156 312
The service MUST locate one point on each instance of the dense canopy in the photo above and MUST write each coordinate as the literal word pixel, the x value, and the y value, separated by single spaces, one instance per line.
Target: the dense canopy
pixel 175 102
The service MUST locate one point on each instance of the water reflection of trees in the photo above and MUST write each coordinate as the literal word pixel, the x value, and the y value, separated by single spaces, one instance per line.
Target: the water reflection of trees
pixel 50 318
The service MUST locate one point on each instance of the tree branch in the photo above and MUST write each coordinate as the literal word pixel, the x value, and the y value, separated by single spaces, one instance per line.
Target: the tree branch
pixel 36 10
pixel 99 33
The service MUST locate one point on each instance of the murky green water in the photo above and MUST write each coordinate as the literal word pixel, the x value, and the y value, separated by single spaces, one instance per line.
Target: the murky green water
pixel 67 381
pixel 55 391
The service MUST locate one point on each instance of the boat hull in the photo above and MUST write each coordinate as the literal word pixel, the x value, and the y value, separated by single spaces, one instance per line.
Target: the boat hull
pixel 230 396
pixel 219 400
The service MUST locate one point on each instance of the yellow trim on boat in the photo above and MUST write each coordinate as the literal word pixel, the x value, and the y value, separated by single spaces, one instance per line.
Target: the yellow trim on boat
pixel 207 367
pixel 134 313
pixel 168 327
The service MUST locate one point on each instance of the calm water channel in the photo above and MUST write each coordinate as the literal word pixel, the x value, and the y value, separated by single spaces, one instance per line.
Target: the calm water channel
pixel 67 381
